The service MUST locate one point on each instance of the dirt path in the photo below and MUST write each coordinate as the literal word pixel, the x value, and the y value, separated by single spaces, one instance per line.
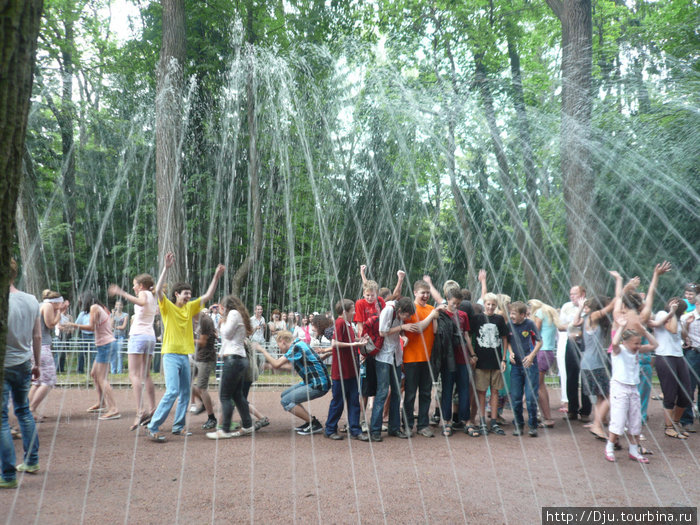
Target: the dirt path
pixel 101 472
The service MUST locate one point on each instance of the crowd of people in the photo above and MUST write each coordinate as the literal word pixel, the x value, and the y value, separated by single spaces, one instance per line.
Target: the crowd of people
pixel 468 359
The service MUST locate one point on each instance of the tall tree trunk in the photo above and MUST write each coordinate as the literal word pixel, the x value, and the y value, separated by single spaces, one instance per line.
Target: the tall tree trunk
pixel 31 248
pixel 19 28
pixel 577 172
pixel 535 251
pixel 522 240
pixel 253 165
pixel 169 108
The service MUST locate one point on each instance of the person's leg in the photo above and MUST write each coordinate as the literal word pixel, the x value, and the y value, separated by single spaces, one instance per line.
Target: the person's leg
pixel 462 382
pixel 482 404
pixel 644 387
pixel 543 396
pixel 572 363
pixel 517 386
pixel 172 390
pixel 352 399
pixel 97 380
pixel 394 398
pixel 384 372
pixel 448 383
pixel 335 409
pixel 425 386
pixel 240 367
pixel 20 381
pixel 184 375
pixel 113 357
pixel 136 364
pixel 150 389
pixel 226 387
pixel 692 358
pixel 409 397
pixel 7 448
pixel 531 391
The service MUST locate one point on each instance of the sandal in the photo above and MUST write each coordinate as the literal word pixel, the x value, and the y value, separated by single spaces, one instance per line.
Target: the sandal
pixel 146 418
pixel 645 451
pixel 610 457
pixel 496 429
pixel 671 432
pixel 137 421
pixel 602 437
pixel 447 431
pixel 95 408
pixel 262 422
pixel 472 431
pixel 156 436
pixel 639 459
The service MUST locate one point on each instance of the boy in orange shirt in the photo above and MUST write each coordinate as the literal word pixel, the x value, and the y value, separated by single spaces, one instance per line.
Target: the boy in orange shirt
pixel 416 359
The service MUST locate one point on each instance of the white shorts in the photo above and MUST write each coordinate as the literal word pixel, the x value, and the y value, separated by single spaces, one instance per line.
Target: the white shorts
pixel 625 409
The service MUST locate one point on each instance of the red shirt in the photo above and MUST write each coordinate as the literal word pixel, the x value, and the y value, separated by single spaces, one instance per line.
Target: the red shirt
pixel 345 363
pixel 364 310
pixel 461 353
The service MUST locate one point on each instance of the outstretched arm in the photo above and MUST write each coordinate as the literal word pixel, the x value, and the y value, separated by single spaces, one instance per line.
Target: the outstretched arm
pixel 648 304
pixel 116 290
pixel 434 293
pixel 482 280
pixel 220 269
pixel 169 261
pixel 363 273
pixel 399 283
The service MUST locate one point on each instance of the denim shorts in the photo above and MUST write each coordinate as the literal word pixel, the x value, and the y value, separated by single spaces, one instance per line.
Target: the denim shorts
pixel 103 353
pixel 300 393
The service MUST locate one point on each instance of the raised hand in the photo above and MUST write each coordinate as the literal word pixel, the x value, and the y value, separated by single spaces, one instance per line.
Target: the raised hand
pixel 113 290
pixel 169 259
pixel 662 268
pixel 482 275
pixel 220 269
pixel 427 279
pixel 401 275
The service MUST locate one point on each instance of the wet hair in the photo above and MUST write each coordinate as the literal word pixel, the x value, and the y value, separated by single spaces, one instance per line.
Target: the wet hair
pixel 633 300
pixel 466 295
pixel 145 280
pixel 449 284
pixel 384 292
pixel 420 284
pixel 454 293
pixel 682 306
pixel 369 286
pixel 87 299
pixel 284 335
pixel 344 305
pixel 179 288
pixel 231 302
pixel 629 334
pixel 14 270
pixel 519 307
pixel 49 294
pixel 598 303
pixel 405 305
pixel 321 323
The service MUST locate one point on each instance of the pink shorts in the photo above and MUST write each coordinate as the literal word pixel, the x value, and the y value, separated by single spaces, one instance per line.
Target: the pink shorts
pixel 625 409
pixel 545 358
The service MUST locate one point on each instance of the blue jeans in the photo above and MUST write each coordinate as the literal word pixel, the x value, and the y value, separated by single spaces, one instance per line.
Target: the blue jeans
pixel 298 394
pixel 693 359
pixel 344 390
pixel 526 379
pixel 388 375
pixel 644 386
pixel 17 381
pixel 116 363
pixel 176 368
pixel 418 379
pixel 86 352
pixel 461 377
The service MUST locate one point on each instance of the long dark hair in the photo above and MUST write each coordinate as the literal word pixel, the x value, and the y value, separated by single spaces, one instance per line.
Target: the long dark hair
pixel 231 302
pixel 87 299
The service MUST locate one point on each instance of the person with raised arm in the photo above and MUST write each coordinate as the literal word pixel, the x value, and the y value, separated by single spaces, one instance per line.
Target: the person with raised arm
pixel 625 407
pixel 178 344
pixel 141 346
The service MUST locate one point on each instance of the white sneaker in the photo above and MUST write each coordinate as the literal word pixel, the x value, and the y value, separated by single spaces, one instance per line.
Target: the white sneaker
pixel 193 408
pixel 219 434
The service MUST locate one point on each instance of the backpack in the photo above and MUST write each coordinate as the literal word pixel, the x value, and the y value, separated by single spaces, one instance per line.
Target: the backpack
pixel 371 329
pixel 446 337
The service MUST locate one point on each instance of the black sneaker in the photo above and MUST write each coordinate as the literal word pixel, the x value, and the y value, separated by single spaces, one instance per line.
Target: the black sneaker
pixel 312 428
pixel 303 430
pixel 517 432
pixel 301 427
pixel 210 424
pixel 532 433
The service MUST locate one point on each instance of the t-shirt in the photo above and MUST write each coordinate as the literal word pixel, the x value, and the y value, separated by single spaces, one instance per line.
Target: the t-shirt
pixel 21 317
pixel 233 334
pixel 419 345
pixel 308 365
pixel 365 310
pixel 461 351
pixel 258 326
pixel 548 332
pixel 391 349
pixel 488 332
pixel 669 344
pixel 345 363
pixel 520 337
pixel 206 352
pixel 178 334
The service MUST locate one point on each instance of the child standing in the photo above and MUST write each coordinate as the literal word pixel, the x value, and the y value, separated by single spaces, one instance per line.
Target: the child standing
pixel 625 406
pixel 344 373
pixel 524 374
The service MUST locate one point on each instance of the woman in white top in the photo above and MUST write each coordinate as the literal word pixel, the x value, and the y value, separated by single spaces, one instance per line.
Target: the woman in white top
pixel 671 366
pixel 233 374
pixel 142 343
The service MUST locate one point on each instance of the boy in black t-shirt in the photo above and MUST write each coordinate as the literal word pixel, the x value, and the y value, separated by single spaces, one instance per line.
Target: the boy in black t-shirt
pixel 204 364
pixel 490 337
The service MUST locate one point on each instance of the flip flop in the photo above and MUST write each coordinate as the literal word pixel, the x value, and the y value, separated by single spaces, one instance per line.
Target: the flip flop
pixel 639 459
pixel 107 417
pixel 599 436
pixel 94 409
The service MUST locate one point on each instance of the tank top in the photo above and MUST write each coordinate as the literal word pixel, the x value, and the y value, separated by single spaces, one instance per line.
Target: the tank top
pixel 670 344
pixel 625 367
pixel 593 350
pixel 103 333
pixel 142 323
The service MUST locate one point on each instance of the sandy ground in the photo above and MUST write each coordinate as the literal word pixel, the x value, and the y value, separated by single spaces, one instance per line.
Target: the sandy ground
pixel 98 471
